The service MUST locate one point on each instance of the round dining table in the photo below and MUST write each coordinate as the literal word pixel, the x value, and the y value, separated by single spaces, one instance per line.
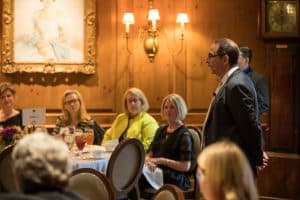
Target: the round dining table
pixel 91 157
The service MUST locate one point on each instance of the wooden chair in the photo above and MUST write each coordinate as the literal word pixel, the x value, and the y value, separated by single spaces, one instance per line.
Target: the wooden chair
pixel 169 192
pixel 91 184
pixel 194 191
pixel 7 181
pixel 125 167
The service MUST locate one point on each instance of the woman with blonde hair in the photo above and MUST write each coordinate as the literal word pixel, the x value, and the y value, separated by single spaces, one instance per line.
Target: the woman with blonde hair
pixel 9 116
pixel 172 148
pixel 135 122
pixel 75 114
pixel 225 173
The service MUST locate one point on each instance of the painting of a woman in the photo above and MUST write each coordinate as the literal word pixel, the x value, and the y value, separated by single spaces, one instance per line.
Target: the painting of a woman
pixel 54 33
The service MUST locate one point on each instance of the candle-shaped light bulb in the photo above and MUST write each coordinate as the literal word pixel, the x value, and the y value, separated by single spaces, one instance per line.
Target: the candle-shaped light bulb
pixel 127 25
pixel 182 26
pixel 154 24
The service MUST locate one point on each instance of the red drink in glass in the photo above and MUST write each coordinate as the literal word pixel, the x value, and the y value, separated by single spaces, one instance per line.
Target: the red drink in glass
pixel 80 141
pixel 89 138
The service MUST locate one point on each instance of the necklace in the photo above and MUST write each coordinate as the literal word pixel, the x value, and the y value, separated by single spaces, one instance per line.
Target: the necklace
pixel 172 127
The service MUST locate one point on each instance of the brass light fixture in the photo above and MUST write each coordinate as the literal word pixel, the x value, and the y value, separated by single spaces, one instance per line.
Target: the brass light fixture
pixel 151 44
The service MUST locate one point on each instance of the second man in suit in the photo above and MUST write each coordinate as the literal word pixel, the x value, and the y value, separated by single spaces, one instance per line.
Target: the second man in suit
pixel 259 81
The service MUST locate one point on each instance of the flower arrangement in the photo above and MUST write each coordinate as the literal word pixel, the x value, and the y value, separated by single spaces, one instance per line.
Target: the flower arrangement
pixel 9 135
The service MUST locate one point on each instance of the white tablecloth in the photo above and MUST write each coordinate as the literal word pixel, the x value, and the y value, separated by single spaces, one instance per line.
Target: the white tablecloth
pixel 87 160
pixel 97 164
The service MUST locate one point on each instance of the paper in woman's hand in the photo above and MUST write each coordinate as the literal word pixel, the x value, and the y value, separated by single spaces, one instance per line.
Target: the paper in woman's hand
pixel 155 178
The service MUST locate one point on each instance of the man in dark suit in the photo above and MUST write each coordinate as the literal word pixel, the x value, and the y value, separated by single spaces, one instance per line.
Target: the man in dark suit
pixel 233 113
pixel 259 81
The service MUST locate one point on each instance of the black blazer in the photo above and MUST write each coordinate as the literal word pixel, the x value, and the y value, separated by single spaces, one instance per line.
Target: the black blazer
pixel 262 91
pixel 234 116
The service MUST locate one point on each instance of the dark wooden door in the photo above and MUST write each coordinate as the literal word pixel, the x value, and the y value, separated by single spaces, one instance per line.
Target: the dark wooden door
pixel 283 63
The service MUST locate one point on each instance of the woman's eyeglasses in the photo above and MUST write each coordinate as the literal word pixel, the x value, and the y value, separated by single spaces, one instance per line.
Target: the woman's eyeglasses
pixel 72 101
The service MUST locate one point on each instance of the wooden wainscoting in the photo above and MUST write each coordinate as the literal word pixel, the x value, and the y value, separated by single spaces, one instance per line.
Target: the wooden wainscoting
pixel 106 119
pixel 281 179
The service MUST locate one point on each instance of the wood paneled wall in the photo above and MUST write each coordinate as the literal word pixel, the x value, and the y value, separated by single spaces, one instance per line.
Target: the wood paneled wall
pixel 185 73
pixel 182 72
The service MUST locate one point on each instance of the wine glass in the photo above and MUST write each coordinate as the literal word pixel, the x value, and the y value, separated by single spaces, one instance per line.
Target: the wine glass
pixel 80 140
pixel 89 133
pixel 89 136
pixel 69 140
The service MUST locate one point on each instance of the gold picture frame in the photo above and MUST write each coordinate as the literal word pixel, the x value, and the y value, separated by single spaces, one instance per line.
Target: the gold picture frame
pixel 47 44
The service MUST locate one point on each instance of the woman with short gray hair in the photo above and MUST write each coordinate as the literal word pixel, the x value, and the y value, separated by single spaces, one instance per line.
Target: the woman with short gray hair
pixel 41 167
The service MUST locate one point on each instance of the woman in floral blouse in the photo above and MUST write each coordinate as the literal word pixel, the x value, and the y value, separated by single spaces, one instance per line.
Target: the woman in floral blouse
pixel 75 114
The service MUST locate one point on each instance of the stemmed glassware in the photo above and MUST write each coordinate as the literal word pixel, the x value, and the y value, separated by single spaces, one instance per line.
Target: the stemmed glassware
pixel 89 133
pixel 67 134
pixel 80 140
pixel 69 140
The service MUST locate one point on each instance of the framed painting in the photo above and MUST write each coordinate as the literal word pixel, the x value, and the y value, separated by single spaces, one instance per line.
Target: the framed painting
pixel 48 36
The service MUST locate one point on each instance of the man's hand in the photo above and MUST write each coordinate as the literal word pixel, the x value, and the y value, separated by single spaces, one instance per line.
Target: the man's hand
pixel 265 161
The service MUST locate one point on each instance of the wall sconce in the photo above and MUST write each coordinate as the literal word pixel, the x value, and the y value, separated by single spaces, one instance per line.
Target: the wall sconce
pixel 151 40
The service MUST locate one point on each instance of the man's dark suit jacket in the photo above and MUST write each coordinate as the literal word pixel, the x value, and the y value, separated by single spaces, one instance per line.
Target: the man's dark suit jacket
pixel 261 87
pixel 234 116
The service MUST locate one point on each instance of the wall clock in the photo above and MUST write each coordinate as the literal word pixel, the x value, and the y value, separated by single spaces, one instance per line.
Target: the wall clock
pixel 279 19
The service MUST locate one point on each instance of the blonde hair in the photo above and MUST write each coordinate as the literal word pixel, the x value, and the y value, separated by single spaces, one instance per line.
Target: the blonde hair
pixel 227 171
pixel 82 114
pixel 139 93
pixel 41 161
pixel 178 102
pixel 6 86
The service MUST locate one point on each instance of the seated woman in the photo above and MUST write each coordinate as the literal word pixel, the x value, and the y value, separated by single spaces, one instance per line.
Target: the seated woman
pixel 225 173
pixel 135 122
pixel 9 116
pixel 172 147
pixel 75 114
pixel 41 168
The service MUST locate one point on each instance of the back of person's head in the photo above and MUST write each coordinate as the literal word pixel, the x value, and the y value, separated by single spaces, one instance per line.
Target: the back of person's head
pixel 178 102
pixel 140 95
pixel 246 52
pixel 230 48
pixel 40 162
pixel 226 173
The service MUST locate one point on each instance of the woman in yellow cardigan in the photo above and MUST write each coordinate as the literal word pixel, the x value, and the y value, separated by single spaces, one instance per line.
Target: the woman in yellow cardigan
pixel 135 122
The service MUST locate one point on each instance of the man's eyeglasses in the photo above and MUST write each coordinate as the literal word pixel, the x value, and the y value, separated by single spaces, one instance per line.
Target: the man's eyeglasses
pixel 210 55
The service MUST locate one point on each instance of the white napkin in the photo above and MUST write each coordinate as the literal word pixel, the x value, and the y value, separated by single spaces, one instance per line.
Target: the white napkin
pixel 155 178
pixel 110 145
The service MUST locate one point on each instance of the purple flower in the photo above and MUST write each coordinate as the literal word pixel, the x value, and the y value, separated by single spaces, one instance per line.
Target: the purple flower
pixel 8 134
